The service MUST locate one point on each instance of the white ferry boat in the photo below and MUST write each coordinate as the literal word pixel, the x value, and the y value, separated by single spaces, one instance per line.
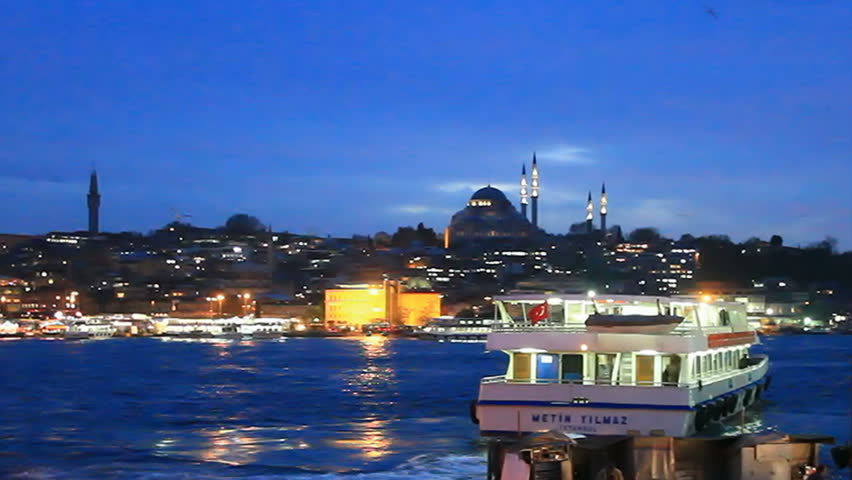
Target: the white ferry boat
pixel 456 330
pixel 89 330
pixel 618 365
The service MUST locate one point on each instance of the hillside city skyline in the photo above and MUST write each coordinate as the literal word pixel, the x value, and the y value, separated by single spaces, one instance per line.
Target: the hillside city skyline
pixel 698 124
pixel 595 205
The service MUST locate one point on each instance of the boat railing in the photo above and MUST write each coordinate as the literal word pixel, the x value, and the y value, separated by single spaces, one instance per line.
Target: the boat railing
pixel 527 327
pixel 694 383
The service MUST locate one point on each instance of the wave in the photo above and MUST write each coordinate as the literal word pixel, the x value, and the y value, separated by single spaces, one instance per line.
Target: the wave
pixel 421 467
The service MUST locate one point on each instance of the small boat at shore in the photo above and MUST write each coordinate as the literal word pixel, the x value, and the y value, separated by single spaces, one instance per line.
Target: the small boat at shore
pixel 89 330
pixel 457 330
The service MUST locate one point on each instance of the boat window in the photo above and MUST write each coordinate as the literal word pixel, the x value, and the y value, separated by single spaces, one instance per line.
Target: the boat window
pixel 572 367
pixel 625 374
pixel 521 366
pixel 603 367
pixel 644 369
pixel 574 312
pixel 724 318
pixel 547 367
pixel 689 314
pixel 671 369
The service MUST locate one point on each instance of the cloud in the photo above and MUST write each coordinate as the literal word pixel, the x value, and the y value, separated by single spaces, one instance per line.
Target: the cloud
pixel 420 210
pixel 33 187
pixel 657 212
pixel 457 186
pixel 566 154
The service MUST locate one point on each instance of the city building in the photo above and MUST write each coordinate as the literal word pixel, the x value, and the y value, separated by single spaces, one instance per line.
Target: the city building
pixel 364 304
pixel 490 215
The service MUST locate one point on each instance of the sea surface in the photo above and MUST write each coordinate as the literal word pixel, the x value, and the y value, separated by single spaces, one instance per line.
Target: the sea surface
pixel 355 408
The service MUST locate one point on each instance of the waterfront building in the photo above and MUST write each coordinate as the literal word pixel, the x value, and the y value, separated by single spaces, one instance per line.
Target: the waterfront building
pixel 364 304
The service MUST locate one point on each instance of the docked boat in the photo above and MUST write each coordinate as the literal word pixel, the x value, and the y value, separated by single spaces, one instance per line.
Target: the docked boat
pixel 618 365
pixel 10 329
pixel 457 330
pixel 89 330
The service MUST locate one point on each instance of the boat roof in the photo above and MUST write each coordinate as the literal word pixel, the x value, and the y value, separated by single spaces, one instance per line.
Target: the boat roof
pixel 608 298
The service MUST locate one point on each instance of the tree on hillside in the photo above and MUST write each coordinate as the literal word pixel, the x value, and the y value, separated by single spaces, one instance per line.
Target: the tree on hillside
pixel 406 236
pixel 243 224
pixel 645 235
pixel 776 241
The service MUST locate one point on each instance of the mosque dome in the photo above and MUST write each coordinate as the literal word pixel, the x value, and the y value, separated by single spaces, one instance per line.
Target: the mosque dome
pixel 489 193
pixel 488 197
pixel 489 214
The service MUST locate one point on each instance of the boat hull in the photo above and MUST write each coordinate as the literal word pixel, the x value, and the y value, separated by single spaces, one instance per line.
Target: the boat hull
pixel 513 408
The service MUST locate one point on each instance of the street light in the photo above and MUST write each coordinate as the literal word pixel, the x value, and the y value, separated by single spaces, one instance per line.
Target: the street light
pixel 246 297
pixel 220 298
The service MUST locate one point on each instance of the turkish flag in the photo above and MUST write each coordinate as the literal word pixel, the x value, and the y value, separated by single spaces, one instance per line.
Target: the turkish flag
pixel 539 313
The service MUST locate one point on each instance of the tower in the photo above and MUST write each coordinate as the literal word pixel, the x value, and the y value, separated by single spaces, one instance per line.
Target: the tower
pixel 524 193
pixel 94 201
pixel 590 213
pixel 534 193
pixel 603 208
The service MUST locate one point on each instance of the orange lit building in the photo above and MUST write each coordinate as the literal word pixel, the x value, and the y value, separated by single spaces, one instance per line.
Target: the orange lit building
pixel 418 308
pixel 359 305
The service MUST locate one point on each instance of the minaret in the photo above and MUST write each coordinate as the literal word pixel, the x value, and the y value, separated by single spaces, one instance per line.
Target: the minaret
pixel 534 194
pixel 603 208
pixel 590 213
pixel 524 192
pixel 94 201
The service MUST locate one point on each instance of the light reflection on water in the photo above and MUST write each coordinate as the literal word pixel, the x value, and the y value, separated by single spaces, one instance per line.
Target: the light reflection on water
pixel 371 440
pixel 126 407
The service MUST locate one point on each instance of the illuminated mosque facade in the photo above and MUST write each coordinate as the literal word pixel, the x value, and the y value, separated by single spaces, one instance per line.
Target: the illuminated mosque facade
pixel 489 215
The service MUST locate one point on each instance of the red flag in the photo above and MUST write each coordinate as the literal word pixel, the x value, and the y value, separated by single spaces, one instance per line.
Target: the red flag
pixel 539 313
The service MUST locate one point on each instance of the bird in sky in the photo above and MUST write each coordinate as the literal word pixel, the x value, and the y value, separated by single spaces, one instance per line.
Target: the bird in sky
pixel 712 12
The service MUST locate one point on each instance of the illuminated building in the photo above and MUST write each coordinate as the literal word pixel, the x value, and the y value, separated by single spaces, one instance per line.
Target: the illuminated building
pixel 603 208
pixel 94 201
pixel 358 305
pixel 489 215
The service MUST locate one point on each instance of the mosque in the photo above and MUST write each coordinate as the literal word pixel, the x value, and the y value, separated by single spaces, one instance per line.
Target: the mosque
pixel 489 215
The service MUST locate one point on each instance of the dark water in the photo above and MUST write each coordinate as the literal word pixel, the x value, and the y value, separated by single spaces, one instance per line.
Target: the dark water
pixel 368 408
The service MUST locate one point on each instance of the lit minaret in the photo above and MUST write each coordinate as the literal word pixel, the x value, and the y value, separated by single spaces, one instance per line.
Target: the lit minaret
pixel 603 208
pixel 534 195
pixel 524 192
pixel 590 213
pixel 94 201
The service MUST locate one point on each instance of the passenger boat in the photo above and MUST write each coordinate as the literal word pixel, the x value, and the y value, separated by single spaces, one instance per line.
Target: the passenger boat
pixel 618 364
pixel 89 330
pixel 450 329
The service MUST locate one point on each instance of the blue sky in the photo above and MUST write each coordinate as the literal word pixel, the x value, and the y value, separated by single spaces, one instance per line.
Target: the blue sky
pixel 354 117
